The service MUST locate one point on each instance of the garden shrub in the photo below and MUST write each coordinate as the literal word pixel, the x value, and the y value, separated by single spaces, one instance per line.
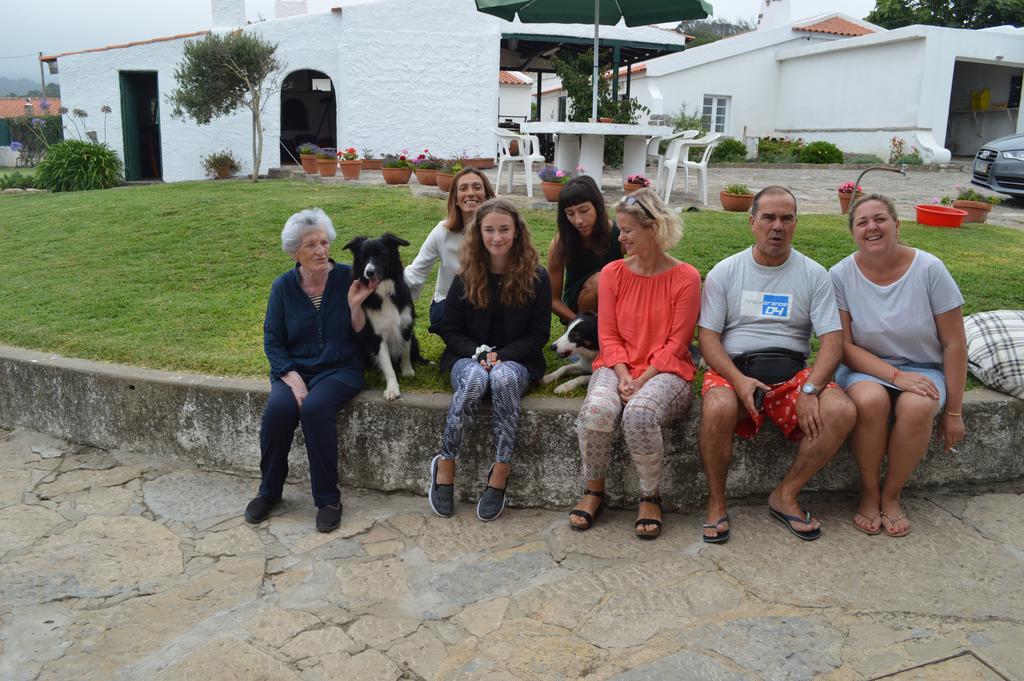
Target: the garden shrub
pixel 73 165
pixel 869 159
pixel 730 151
pixel 779 149
pixel 16 181
pixel 821 152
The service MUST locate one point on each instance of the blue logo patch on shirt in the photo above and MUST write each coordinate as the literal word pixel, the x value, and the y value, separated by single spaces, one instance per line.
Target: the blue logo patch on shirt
pixel 775 306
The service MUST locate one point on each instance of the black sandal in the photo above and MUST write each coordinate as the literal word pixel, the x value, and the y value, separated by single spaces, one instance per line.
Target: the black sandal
pixel 585 515
pixel 649 534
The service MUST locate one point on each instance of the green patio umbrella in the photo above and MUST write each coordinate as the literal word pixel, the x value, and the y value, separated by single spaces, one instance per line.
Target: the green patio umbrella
pixel 597 12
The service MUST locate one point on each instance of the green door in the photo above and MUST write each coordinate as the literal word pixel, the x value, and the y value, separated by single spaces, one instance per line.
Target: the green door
pixel 130 127
pixel 140 125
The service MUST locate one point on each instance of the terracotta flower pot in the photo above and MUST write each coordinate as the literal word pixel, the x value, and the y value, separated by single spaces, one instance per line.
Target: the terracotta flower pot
pixel 396 175
pixel 350 169
pixel 328 167
pixel 551 190
pixel 977 211
pixel 845 198
pixel 427 177
pixel 444 181
pixel 736 203
pixel 630 187
pixel 308 162
pixel 372 163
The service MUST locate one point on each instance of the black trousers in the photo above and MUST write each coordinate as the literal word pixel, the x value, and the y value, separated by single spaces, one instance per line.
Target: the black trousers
pixel 319 417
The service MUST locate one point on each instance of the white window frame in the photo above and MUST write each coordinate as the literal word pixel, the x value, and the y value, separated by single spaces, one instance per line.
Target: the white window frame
pixel 715 110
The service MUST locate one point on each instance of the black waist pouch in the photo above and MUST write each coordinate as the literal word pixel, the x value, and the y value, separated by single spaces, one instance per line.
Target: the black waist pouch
pixel 771 365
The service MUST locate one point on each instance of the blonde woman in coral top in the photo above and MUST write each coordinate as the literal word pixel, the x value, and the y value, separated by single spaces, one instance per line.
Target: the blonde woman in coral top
pixel 648 305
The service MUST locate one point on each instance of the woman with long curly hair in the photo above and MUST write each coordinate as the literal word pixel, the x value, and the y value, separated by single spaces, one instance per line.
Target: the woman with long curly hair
pixel 497 320
pixel 470 188
pixel 586 241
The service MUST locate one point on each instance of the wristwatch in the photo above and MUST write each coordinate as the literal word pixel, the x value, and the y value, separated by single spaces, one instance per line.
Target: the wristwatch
pixel 809 389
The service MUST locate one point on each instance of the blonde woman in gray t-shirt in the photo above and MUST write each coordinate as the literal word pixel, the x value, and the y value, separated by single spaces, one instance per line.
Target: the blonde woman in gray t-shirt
pixel 904 356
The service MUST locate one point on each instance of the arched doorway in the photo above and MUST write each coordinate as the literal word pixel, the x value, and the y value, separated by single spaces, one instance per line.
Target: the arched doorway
pixel 308 112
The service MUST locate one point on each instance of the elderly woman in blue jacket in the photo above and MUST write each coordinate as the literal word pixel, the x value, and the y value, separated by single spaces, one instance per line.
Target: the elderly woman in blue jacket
pixel 316 365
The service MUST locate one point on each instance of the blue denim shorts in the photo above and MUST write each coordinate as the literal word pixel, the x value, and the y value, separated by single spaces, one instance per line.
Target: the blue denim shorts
pixel 846 377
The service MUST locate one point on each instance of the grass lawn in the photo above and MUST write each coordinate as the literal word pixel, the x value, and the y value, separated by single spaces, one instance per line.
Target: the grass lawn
pixel 176 276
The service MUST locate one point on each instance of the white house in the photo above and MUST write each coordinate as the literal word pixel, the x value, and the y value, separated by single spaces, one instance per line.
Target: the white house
pixel 515 96
pixel 380 74
pixel 843 80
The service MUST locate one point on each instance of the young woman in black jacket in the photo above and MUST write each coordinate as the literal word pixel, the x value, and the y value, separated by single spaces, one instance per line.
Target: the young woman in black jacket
pixel 497 320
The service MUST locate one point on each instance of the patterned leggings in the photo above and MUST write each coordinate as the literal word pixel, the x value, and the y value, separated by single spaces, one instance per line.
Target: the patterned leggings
pixel 507 382
pixel 663 398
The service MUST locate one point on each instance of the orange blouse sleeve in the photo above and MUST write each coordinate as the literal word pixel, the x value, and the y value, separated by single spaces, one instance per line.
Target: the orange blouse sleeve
pixel 613 348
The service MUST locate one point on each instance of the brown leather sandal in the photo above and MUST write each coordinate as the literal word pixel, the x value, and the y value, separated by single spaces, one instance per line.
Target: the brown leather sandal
pixel 649 534
pixel 585 515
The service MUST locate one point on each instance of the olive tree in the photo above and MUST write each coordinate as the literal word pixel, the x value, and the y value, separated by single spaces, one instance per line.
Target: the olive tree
pixel 223 73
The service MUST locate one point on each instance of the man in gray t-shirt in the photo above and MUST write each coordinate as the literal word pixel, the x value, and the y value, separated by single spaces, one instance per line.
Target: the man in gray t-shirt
pixel 770 296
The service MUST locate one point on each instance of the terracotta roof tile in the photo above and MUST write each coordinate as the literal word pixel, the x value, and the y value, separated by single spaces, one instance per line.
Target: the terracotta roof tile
pixel 12 107
pixel 835 26
pixel 506 78
pixel 54 57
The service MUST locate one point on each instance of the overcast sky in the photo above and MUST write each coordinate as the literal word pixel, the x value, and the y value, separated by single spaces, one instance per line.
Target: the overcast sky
pixel 67 25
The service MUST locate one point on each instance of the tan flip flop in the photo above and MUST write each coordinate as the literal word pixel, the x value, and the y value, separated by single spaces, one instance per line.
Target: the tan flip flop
pixel 892 523
pixel 869 519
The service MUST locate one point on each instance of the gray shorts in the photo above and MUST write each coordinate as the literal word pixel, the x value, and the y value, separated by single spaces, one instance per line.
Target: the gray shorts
pixel 846 377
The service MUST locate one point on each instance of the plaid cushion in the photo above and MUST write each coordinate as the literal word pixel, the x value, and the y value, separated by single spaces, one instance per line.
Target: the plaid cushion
pixel 995 349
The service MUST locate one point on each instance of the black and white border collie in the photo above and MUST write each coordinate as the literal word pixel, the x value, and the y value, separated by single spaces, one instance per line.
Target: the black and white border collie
pixel 387 338
pixel 580 338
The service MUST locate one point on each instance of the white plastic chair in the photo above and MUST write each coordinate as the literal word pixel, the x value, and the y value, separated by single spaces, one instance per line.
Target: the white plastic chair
pixel 678 153
pixel 528 153
pixel 654 151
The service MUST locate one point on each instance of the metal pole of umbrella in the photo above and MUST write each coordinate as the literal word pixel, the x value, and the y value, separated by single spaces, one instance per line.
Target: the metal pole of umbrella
pixel 597 44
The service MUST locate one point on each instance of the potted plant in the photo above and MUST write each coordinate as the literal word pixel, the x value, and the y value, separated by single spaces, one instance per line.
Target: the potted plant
pixel 307 157
pixel 846 195
pixel 978 206
pixel 221 164
pixel 396 168
pixel 446 173
pixel 736 198
pixel 634 182
pixel 425 166
pixel 369 162
pixel 351 166
pixel 326 162
pixel 552 180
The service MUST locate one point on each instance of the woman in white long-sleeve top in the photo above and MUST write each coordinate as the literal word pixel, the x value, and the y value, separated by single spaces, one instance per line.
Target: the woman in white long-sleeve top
pixel 470 188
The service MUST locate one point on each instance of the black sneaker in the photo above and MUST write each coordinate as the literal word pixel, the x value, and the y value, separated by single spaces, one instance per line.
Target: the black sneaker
pixel 328 517
pixel 442 497
pixel 257 510
pixel 492 501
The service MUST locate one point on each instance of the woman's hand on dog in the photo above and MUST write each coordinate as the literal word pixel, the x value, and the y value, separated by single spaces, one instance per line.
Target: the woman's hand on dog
pixel 298 386
pixel 359 291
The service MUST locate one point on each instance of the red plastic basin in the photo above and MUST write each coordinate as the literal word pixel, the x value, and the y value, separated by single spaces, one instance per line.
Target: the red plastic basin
pixel 940 216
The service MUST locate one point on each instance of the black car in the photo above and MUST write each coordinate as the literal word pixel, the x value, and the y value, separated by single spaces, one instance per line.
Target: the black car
pixel 999 165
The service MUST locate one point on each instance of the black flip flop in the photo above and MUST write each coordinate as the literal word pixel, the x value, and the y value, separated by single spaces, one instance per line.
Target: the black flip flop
pixel 723 535
pixel 786 519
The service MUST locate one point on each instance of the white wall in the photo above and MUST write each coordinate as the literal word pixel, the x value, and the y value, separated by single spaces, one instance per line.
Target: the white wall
pixel 389 97
pixel 515 100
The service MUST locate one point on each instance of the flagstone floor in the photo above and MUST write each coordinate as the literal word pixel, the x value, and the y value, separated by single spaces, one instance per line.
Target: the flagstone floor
pixel 119 565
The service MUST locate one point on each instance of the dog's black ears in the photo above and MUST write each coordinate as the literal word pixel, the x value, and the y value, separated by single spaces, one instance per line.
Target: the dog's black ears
pixel 390 238
pixel 354 244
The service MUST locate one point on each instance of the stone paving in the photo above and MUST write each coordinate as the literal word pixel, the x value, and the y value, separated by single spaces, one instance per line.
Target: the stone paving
pixel 118 565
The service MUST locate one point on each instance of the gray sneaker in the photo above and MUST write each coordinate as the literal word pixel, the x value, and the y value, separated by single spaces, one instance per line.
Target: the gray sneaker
pixel 492 501
pixel 442 497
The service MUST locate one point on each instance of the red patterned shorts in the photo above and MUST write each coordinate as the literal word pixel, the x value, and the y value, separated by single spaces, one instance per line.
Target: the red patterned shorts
pixel 779 404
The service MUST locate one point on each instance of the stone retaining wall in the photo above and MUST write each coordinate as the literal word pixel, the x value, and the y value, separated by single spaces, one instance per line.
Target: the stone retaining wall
pixel 386 446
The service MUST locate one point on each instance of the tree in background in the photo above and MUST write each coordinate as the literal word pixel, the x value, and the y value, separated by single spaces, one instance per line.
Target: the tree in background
pixel 709 30
pixel 223 73
pixel 576 73
pixel 949 13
